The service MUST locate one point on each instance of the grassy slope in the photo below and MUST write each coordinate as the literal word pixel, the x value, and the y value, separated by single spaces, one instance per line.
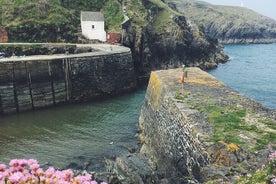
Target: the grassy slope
pixel 164 19
pixel 22 12
pixel 34 16
pixel 26 19
pixel 222 21
pixel 206 12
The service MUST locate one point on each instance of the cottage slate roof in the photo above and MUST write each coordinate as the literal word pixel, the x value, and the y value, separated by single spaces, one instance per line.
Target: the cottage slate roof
pixel 91 16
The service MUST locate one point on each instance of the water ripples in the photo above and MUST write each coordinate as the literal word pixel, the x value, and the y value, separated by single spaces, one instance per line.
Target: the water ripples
pixel 251 71
pixel 74 134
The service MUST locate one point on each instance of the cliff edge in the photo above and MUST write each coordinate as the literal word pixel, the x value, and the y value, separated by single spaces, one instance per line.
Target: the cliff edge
pixel 228 24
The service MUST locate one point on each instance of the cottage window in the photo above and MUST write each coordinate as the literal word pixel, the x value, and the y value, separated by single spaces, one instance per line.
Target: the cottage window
pixel 93 26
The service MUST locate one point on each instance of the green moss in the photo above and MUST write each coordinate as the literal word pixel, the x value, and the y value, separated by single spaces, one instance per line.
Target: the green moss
pixel 181 96
pixel 229 122
pixel 271 124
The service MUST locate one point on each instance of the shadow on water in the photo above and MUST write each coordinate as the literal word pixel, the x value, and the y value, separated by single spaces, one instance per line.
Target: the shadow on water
pixel 76 136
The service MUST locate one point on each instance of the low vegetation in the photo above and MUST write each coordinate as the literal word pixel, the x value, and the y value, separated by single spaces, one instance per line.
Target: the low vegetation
pixel 204 12
pixel 265 174
pixel 231 126
pixel 58 20
pixel 239 133
pixel 228 22
pixel 54 20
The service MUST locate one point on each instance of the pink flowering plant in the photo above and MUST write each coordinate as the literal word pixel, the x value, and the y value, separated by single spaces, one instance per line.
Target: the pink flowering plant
pixel 266 174
pixel 22 171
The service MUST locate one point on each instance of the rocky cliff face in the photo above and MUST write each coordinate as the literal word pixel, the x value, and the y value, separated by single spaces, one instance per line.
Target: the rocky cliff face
pixel 228 24
pixel 158 36
pixel 166 40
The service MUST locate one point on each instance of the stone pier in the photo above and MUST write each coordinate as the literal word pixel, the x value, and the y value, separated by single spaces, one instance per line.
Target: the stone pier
pixel 196 132
pixel 33 82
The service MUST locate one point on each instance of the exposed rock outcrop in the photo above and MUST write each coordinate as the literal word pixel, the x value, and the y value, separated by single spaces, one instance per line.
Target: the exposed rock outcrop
pixel 167 40
pixel 228 24
pixel 158 36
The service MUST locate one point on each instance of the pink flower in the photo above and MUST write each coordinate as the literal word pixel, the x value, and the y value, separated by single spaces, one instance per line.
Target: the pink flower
pixel 67 174
pixel 49 180
pixel 22 162
pixel 34 167
pixel 83 179
pixel 39 172
pixel 16 169
pixel 263 167
pixel 18 173
pixel 15 177
pixel 32 161
pixel 50 172
pixel 273 180
pixel 2 167
pixel 6 173
pixel 14 163
pixel 87 177
pixel 272 156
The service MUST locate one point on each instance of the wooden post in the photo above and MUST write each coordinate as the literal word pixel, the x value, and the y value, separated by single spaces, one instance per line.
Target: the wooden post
pixel 52 82
pixel 28 75
pixel 1 105
pixel 31 89
pixel 67 70
pixel 14 88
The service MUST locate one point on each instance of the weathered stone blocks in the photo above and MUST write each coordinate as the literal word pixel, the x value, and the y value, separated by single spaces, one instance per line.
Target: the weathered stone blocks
pixel 28 83
pixel 167 135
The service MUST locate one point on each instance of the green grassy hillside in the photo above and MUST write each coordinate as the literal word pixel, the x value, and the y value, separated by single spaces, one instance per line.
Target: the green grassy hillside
pixel 228 23
pixel 159 36
pixel 53 20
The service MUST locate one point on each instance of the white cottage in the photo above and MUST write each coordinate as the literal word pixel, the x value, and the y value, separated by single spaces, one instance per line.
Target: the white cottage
pixel 92 25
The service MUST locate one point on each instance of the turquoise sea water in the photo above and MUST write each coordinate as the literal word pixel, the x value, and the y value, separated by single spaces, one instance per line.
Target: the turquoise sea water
pixel 251 71
pixel 75 135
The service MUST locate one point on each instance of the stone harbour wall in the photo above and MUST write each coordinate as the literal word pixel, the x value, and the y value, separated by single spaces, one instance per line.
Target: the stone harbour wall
pixel 167 134
pixel 34 82
pixel 199 132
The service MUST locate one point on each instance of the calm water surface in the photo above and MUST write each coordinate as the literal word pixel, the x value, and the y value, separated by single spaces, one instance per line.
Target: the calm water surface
pixel 251 71
pixel 71 135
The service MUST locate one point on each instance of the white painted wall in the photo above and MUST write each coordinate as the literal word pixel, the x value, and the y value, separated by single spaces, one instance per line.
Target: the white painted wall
pixel 96 33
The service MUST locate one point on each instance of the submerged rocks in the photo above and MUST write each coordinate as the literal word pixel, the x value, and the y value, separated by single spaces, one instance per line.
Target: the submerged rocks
pixel 132 168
